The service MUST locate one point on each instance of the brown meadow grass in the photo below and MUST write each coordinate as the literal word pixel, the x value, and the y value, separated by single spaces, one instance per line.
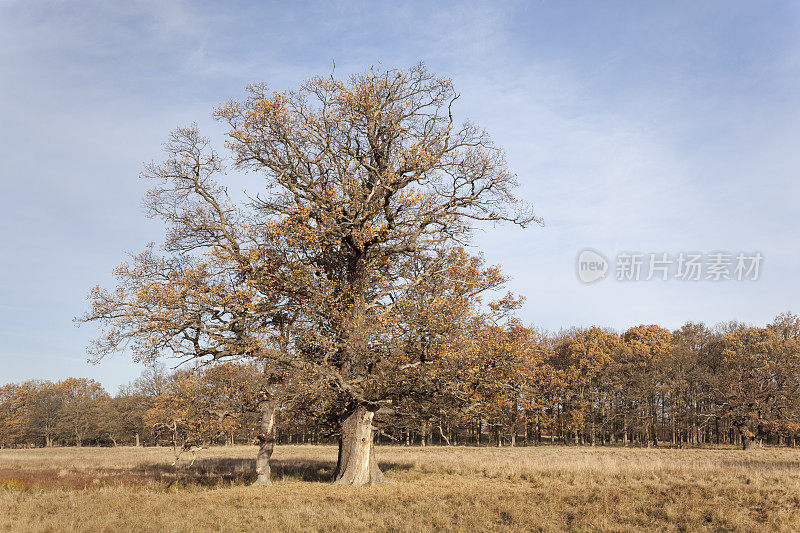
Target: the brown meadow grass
pixel 434 488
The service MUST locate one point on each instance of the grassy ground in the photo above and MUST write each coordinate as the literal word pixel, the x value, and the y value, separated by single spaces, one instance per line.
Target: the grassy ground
pixel 451 489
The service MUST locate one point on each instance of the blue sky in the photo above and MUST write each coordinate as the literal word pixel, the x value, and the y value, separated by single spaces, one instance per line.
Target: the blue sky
pixel 632 127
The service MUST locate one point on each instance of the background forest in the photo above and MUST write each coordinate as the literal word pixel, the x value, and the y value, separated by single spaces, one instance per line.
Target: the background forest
pixel 512 385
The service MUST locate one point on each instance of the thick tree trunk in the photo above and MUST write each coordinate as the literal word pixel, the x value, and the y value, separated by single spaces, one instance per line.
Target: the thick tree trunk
pixel 357 465
pixel 592 435
pixel 653 415
pixel 445 438
pixel 266 442
pixel 748 438
pixel 514 421
pixel 622 430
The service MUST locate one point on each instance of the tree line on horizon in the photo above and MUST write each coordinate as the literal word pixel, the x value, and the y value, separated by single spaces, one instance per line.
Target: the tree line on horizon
pixel 510 385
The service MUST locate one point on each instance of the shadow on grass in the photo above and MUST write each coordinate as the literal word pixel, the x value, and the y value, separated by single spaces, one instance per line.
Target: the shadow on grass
pixel 242 471
pixel 207 473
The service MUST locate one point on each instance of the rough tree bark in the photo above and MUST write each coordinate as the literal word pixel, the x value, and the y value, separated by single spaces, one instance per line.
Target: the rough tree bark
pixel 266 442
pixel 653 414
pixel 357 465
pixel 748 438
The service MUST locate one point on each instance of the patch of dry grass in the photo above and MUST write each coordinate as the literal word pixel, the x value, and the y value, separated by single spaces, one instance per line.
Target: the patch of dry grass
pixel 450 489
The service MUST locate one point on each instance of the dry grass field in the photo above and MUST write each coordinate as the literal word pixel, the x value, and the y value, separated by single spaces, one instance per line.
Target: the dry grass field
pixel 448 489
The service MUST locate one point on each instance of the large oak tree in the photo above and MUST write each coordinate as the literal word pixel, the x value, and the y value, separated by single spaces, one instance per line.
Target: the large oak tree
pixel 370 185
